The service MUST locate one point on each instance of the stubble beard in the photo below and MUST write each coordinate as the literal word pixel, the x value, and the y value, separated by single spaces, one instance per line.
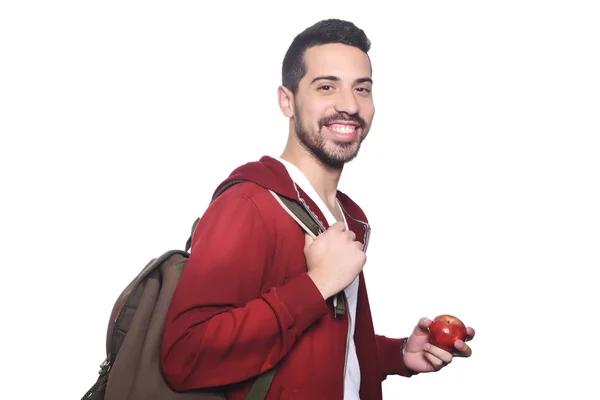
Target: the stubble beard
pixel 315 143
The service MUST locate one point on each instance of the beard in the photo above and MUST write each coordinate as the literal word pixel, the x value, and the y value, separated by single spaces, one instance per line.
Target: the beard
pixel 316 144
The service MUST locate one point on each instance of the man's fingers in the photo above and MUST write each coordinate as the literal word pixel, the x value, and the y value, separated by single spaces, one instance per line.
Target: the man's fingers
pixel 338 226
pixel 351 234
pixel 470 333
pixel 436 362
pixel 463 349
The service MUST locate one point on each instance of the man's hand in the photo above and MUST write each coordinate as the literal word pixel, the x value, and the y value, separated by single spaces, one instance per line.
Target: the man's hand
pixel 421 356
pixel 334 259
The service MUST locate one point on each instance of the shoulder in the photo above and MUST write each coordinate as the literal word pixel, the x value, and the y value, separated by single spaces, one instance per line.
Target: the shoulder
pixel 252 209
pixel 247 192
pixel 236 216
pixel 252 201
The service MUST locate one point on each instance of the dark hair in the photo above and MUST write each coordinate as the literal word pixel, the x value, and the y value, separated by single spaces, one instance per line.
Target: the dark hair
pixel 323 32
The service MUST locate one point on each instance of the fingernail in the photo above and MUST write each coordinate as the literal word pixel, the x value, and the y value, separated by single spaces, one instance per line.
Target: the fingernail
pixel 426 346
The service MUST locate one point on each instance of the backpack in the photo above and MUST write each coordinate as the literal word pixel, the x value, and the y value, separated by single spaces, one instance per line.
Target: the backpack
pixel 132 367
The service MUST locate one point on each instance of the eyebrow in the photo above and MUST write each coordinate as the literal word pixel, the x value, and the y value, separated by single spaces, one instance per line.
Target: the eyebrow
pixel 335 78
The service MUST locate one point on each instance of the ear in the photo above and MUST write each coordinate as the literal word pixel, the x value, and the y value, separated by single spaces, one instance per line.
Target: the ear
pixel 286 101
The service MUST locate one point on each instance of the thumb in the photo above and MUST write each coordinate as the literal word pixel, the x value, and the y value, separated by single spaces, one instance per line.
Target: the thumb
pixel 422 327
pixel 308 240
pixel 339 225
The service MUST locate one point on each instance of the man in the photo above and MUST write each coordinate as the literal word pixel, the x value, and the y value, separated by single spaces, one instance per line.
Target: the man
pixel 257 291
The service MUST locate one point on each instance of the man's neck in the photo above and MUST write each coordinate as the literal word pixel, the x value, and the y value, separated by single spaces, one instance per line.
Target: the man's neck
pixel 324 179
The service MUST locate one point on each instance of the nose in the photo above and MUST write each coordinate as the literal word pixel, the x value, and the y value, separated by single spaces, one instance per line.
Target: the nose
pixel 346 102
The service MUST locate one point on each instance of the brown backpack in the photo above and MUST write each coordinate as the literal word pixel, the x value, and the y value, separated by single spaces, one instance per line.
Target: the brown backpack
pixel 132 369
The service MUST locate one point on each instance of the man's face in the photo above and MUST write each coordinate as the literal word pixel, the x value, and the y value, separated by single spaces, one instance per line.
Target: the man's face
pixel 333 107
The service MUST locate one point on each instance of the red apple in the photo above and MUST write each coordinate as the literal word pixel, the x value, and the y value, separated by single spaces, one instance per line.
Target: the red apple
pixel 445 330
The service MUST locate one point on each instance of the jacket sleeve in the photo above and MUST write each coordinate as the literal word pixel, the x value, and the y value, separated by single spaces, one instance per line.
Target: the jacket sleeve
pixel 223 326
pixel 390 357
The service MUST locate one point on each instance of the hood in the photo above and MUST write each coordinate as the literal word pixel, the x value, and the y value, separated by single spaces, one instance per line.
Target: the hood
pixel 271 174
pixel 266 172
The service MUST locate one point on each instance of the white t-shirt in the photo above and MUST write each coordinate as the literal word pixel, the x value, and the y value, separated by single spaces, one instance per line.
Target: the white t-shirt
pixel 352 376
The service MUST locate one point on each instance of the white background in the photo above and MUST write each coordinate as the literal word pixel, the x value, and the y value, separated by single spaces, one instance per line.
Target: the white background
pixel 480 176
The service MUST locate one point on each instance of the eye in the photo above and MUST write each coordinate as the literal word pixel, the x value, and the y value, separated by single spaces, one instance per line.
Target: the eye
pixel 325 87
pixel 363 90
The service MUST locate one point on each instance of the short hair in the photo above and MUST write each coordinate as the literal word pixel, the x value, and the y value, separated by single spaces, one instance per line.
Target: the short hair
pixel 323 32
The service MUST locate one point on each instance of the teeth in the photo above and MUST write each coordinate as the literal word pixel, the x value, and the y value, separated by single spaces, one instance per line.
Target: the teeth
pixel 345 129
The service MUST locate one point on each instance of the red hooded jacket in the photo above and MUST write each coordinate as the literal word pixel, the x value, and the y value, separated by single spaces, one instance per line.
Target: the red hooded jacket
pixel 245 303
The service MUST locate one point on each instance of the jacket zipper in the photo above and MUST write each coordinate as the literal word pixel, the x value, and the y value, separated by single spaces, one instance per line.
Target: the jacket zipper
pixel 345 299
pixel 342 296
pixel 367 229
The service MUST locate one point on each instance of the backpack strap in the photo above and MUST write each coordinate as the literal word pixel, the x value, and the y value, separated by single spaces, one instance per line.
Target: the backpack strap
pixel 188 244
pixel 304 219
pixel 292 207
pixel 310 226
pixel 299 214
pixel 261 386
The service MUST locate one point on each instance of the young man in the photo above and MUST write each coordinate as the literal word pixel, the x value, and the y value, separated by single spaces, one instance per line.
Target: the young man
pixel 257 291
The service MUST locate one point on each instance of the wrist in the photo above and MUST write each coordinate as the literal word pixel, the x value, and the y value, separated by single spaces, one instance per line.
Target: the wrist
pixel 402 352
pixel 321 284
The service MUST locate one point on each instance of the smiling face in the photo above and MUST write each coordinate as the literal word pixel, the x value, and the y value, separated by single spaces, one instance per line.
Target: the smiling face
pixel 333 108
